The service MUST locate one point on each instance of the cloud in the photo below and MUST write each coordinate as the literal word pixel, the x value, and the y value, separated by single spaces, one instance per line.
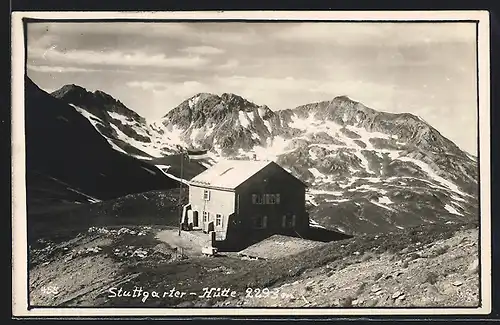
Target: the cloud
pixel 148 85
pixel 186 88
pixel 110 28
pixel 206 32
pixel 115 58
pixel 384 34
pixel 230 64
pixel 201 50
pixel 52 69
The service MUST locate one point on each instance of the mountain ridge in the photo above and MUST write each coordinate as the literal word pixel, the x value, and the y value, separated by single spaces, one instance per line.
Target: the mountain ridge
pixel 354 158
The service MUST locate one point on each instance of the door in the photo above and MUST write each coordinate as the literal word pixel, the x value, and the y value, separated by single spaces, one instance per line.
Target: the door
pixel 195 219
pixel 211 226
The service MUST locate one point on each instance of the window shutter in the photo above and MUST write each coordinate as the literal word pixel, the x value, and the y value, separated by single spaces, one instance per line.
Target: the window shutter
pixel 277 199
pixel 293 220
pixel 264 222
pixel 254 198
pixel 283 221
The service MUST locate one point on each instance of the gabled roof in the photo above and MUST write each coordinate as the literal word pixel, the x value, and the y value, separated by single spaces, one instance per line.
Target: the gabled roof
pixel 229 174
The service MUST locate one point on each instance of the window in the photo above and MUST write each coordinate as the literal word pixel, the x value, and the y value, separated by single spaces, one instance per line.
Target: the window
pixel 257 199
pixel 288 221
pixel 218 220
pixel 260 222
pixel 265 199
pixel 206 195
pixel 206 216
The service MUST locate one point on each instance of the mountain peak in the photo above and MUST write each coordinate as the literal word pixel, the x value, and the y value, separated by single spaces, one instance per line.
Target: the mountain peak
pixel 102 94
pixel 344 98
pixel 237 102
pixel 97 102
pixel 69 90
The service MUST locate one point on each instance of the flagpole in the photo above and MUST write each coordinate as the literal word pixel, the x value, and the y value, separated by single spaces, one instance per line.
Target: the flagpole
pixel 180 191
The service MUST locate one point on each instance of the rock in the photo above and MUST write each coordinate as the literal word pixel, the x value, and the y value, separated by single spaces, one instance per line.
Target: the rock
pixel 345 302
pixel 402 297
pixel 430 288
pixel 377 276
pixel 457 283
pixel 185 304
pixel 371 302
pixel 473 267
pixel 396 294
pixel 376 289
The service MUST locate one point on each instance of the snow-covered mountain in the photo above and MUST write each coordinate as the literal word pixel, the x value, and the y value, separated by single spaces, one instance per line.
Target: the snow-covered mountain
pixel 367 170
pixel 124 129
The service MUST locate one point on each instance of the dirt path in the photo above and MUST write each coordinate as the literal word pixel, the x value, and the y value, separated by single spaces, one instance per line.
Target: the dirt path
pixel 191 242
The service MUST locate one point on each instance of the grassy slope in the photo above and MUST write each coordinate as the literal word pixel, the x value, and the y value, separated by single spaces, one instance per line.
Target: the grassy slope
pixel 149 208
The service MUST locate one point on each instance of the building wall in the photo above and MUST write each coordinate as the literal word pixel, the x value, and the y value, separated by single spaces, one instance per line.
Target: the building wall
pixel 220 202
pixel 271 180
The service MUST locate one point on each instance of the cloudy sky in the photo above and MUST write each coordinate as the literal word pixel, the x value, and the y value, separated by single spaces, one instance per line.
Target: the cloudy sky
pixel 428 69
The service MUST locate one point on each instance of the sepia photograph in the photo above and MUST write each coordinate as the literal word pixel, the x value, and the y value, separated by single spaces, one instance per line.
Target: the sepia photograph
pixel 213 164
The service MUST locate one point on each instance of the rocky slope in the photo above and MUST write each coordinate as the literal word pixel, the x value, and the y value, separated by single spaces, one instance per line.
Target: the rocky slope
pixel 428 266
pixel 367 171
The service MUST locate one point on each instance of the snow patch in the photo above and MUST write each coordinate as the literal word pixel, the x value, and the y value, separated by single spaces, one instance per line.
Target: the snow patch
pixel 312 155
pixel 452 210
pixel 319 192
pixel 268 126
pixel 244 119
pixel 316 173
pixel 336 201
pixel 311 199
pixel 120 118
pixel 364 161
pixel 165 168
pixel 150 150
pixel 384 200
pixel 142 157
pixel 426 168
pixel 193 101
pixel 382 206
pixel 314 224
pixel 276 147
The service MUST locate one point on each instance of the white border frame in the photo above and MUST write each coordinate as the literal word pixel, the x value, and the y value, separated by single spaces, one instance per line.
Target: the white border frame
pixel 19 256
